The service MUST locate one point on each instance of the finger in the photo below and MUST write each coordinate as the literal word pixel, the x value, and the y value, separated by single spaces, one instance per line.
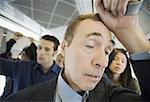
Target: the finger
pixel 114 7
pixel 31 39
pixel 99 6
pixel 18 34
pixel 107 4
pixel 103 13
pixel 122 7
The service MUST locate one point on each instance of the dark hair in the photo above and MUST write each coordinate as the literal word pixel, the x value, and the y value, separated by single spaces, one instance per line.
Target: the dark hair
pixel 126 77
pixel 52 39
pixel 31 51
pixel 115 52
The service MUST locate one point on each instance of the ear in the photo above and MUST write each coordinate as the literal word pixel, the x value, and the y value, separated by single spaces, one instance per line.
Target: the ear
pixel 55 53
pixel 63 47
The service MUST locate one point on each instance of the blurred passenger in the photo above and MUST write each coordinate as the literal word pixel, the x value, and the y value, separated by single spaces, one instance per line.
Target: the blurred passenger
pixel 28 53
pixel 3 43
pixel 60 60
pixel 10 44
pixel 7 54
pixel 26 73
pixel 119 70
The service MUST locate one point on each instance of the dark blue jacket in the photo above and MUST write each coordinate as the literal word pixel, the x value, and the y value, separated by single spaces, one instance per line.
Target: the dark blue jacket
pixel 25 74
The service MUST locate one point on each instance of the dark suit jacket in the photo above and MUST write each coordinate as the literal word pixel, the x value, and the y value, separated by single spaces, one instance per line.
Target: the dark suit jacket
pixel 105 91
pixel 142 71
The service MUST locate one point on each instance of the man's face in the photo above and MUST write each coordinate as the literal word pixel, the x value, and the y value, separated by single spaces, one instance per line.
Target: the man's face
pixel 87 56
pixel 45 52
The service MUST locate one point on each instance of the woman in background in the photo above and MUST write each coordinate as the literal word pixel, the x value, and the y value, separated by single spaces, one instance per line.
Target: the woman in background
pixel 119 70
pixel 60 60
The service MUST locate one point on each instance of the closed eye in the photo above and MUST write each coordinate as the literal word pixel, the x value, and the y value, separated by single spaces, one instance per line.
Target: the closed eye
pixel 88 46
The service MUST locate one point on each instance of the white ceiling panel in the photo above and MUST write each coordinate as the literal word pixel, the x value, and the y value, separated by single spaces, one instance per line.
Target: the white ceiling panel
pixel 58 20
pixel 44 5
pixel 53 26
pixel 48 13
pixel 42 23
pixel 64 9
pixel 25 10
pixel 70 1
pixel 41 16
pixel 22 2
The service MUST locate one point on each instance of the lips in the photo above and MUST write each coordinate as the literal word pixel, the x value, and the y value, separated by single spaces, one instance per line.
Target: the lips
pixel 40 57
pixel 93 76
pixel 117 67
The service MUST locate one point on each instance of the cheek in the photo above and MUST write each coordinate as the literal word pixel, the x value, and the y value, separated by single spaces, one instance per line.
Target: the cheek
pixel 111 67
pixel 84 59
pixel 37 53
pixel 49 55
pixel 74 62
pixel 123 68
pixel 74 57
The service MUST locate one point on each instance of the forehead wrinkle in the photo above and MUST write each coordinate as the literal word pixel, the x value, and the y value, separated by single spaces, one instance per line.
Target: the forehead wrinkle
pixel 97 34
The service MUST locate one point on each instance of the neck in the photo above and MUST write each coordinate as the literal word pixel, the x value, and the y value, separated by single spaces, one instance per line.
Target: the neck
pixel 69 82
pixel 116 78
pixel 46 66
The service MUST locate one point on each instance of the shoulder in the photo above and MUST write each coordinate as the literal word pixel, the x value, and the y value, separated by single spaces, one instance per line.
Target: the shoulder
pixel 112 92
pixel 56 68
pixel 36 92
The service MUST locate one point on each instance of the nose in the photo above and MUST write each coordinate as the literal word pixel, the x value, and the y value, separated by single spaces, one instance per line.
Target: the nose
pixel 41 51
pixel 119 62
pixel 100 59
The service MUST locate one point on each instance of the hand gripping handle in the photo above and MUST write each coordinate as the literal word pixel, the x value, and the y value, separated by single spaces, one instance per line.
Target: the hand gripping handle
pixel 133 7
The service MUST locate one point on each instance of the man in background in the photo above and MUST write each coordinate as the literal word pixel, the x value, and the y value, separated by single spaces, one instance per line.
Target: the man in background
pixel 26 73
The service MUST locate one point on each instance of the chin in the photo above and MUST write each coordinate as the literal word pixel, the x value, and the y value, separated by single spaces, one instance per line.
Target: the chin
pixel 89 87
pixel 38 62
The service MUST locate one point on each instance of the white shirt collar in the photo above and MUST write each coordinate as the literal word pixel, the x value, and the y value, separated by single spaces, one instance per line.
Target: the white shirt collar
pixel 65 93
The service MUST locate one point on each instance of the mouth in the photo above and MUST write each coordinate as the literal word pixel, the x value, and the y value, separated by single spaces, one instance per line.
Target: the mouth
pixel 40 57
pixel 93 77
pixel 118 67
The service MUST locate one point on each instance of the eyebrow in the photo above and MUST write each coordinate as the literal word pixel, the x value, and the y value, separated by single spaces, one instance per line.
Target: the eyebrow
pixel 120 58
pixel 94 34
pixel 99 34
